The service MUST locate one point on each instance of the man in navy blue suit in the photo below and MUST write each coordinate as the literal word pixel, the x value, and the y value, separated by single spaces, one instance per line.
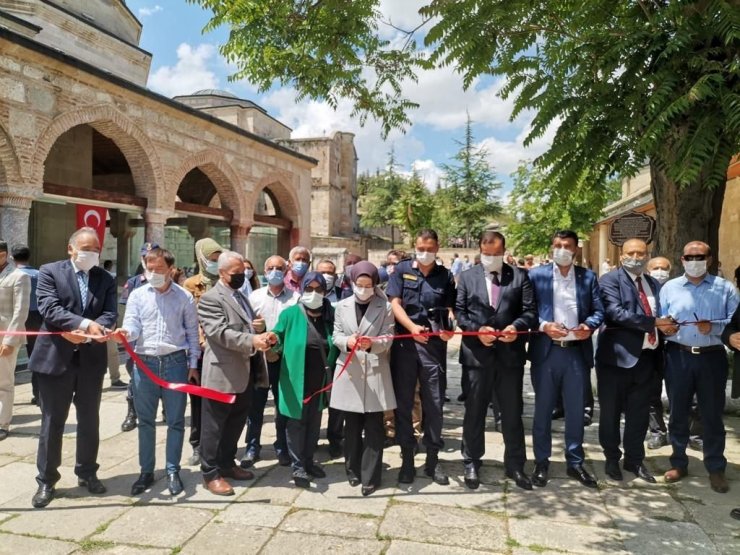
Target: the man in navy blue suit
pixel 570 309
pixel 628 358
pixel 77 298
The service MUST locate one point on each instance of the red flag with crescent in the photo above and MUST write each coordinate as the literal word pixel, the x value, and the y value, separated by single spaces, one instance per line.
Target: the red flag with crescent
pixel 94 217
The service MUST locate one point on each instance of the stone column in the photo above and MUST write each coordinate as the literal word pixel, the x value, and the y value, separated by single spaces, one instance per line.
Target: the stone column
pixel 15 213
pixel 239 235
pixel 603 247
pixel 120 228
pixel 154 221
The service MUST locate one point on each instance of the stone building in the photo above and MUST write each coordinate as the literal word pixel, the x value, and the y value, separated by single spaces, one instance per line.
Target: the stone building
pixel 79 126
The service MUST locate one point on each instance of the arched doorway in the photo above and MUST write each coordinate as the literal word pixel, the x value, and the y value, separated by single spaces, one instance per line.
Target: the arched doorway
pixel 276 221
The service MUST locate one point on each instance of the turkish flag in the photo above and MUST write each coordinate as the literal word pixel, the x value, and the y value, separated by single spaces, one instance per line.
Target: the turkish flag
pixel 94 217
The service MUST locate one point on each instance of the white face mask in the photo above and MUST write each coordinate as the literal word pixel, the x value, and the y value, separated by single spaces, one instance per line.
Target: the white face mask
pixel 425 258
pixel 329 278
pixel 562 257
pixel 695 268
pixel 660 275
pixel 363 293
pixel 86 260
pixel 492 263
pixel 155 280
pixel 312 300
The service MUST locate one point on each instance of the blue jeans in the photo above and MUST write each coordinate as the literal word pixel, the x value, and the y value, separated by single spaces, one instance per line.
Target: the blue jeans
pixel 172 368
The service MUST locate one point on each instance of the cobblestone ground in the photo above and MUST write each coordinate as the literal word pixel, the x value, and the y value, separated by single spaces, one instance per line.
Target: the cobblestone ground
pixel 269 515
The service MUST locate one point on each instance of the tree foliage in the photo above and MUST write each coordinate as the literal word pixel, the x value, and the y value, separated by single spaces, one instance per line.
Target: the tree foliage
pixel 537 208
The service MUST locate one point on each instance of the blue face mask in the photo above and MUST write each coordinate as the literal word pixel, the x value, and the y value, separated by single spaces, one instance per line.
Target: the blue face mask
pixel 275 277
pixel 299 268
pixel 212 267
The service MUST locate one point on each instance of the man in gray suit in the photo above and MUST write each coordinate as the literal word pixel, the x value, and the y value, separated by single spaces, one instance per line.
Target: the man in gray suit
pixel 230 327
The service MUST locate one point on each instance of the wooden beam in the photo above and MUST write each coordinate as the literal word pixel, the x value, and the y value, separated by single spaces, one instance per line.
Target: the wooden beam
pixel 207 211
pixel 94 195
pixel 273 221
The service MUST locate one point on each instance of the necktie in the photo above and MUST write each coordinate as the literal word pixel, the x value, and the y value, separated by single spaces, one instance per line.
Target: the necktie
pixel 646 307
pixel 82 283
pixel 242 302
pixel 495 289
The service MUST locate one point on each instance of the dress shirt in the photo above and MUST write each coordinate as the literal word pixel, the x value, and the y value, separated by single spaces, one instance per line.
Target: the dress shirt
pixel 653 307
pixel 85 322
pixel 269 306
pixel 163 323
pixel 564 302
pixel 713 298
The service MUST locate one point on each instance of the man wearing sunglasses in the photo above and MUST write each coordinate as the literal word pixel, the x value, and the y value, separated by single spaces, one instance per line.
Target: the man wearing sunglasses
pixel 696 362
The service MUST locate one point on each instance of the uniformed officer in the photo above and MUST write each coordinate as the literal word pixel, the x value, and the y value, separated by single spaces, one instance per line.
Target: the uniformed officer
pixel 422 295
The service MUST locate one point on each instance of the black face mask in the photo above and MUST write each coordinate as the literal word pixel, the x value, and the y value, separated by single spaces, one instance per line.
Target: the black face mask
pixel 237 280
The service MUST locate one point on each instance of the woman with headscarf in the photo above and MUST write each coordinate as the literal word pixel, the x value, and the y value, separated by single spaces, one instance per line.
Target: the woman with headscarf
pixel 303 334
pixel 207 252
pixel 365 389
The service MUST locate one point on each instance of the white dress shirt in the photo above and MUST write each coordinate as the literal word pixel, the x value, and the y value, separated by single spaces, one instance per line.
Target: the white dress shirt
pixel 269 306
pixel 564 302
pixel 653 307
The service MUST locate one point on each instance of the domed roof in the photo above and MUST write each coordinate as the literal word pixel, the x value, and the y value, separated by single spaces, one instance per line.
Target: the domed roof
pixel 214 92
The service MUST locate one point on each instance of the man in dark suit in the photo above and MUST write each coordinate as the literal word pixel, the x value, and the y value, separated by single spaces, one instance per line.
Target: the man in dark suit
pixel 494 297
pixel 569 309
pixel 77 298
pixel 628 359
pixel 731 338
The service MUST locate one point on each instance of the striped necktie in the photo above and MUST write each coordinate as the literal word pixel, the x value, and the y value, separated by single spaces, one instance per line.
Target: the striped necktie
pixel 82 278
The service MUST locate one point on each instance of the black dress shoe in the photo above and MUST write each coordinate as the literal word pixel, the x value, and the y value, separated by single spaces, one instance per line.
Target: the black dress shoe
pixel 368 490
pixel 314 470
pixel 641 472
pixel 580 474
pixel 735 513
pixel 301 479
pixel 249 459
pixel 284 459
pixel 142 483
pixel 557 414
pixel 3 434
pixel 437 475
pixel 611 469
pixel 43 496
pixel 92 484
pixel 539 477
pixel 587 419
pixel 520 479
pixel 353 480
pixel 174 484
pixel 472 481
pixel 657 440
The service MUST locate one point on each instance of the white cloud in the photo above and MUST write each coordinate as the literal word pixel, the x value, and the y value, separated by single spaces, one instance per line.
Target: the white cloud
pixel 429 172
pixel 403 14
pixel 146 12
pixel 189 74
pixel 505 156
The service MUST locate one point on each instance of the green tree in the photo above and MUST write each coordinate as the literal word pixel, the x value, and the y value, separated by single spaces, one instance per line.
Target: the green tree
pixel 414 209
pixel 625 81
pixel 378 195
pixel 538 208
pixel 471 184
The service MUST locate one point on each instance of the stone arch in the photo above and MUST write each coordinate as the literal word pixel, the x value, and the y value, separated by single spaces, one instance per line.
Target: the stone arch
pixel 10 172
pixel 222 175
pixel 286 196
pixel 138 150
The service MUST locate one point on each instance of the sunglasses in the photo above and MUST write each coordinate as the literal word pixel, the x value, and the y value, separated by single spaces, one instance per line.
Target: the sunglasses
pixel 692 257
pixel 317 289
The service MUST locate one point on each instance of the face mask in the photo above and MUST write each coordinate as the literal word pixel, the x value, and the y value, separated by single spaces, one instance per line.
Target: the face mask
pixel 275 277
pixel 363 293
pixel 212 267
pixel 312 300
pixel 155 280
pixel 237 280
pixel 329 278
pixel 634 265
pixel 660 275
pixel 390 268
pixel 85 260
pixel 562 257
pixel 249 273
pixel 425 258
pixel 695 268
pixel 299 268
pixel 492 263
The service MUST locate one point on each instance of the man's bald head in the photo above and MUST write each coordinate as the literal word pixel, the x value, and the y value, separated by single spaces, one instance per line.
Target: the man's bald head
pixel 697 248
pixel 631 247
pixel 659 263
pixel 275 262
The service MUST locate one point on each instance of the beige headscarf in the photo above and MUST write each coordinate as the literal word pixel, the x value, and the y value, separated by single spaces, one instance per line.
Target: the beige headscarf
pixel 203 249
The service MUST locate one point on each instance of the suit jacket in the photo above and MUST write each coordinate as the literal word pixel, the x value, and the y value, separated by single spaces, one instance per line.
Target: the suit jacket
pixel 620 344
pixel 516 305
pixel 228 360
pixel 366 385
pixel 15 297
pixel 734 327
pixel 590 309
pixel 60 306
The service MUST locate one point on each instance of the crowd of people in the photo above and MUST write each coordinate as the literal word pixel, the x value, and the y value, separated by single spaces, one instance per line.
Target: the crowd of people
pixel 371 345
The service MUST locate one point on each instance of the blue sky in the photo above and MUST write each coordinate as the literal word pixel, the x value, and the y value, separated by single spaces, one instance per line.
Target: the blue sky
pixel 185 60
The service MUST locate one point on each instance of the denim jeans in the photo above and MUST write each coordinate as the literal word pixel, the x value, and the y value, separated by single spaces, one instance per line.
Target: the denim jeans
pixel 172 368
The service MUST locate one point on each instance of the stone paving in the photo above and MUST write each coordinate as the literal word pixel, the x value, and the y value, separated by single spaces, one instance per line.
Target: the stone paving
pixel 269 515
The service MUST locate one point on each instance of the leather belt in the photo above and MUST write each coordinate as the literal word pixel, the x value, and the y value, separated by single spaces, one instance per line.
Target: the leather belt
pixel 697 350
pixel 565 344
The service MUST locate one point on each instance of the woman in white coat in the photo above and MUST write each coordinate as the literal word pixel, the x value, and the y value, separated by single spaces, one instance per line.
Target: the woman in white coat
pixel 365 389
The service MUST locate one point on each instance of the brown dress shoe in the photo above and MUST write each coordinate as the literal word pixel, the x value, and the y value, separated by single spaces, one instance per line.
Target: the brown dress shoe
pixel 237 473
pixel 218 486
pixel 718 482
pixel 675 474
